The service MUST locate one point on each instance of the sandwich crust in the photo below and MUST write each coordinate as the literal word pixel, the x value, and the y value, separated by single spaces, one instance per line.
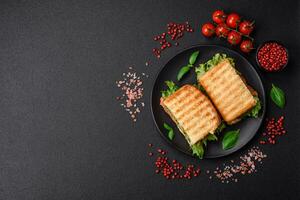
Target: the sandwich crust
pixel 228 91
pixel 193 112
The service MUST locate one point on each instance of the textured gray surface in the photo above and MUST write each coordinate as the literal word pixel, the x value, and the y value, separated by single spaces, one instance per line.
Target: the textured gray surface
pixel 64 136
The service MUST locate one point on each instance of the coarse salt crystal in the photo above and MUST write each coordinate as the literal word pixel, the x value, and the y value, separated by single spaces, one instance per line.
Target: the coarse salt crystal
pixel 131 86
pixel 247 165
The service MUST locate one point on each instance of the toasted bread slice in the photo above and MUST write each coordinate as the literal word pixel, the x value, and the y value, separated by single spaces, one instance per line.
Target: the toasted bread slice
pixel 227 90
pixel 193 113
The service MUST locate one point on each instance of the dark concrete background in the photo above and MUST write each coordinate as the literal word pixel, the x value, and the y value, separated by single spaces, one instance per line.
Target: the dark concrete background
pixel 64 136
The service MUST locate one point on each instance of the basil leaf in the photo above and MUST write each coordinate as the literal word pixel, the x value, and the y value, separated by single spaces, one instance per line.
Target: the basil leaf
pixel 277 96
pixel 183 71
pixel 198 149
pixel 186 69
pixel 171 134
pixel 230 138
pixel 166 126
pixel 193 57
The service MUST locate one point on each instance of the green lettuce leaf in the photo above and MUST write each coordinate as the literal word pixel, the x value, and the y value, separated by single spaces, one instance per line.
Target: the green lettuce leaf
pixel 254 112
pixel 216 59
pixel 211 137
pixel 198 148
pixel 171 89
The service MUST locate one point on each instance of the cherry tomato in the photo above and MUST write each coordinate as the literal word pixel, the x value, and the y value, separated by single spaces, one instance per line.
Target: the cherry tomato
pixel 246 27
pixel 222 30
pixel 219 16
pixel 234 38
pixel 246 46
pixel 233 20
pixel 208 29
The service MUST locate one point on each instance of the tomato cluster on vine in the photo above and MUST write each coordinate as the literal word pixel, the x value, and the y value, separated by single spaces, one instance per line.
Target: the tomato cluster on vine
pixel 231 27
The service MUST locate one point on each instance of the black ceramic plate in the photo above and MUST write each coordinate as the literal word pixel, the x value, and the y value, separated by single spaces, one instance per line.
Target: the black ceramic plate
pixel 248 127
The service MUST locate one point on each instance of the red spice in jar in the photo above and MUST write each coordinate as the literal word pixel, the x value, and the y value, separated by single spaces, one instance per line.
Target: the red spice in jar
pixel 274 129
pixel 272 56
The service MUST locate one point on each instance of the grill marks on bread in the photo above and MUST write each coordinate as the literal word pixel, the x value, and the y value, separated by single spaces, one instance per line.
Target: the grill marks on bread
pixel 193 112
pixel 228 91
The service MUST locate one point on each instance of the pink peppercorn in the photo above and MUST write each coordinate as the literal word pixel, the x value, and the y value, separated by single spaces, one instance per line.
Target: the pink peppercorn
pixel 272 56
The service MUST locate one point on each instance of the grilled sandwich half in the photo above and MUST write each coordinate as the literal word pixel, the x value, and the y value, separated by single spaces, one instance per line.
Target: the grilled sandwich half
pixel 193 113
pixel 228 91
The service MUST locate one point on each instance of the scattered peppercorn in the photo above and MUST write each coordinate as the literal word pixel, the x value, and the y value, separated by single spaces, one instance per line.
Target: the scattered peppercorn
pixel 274 128
pixel 272 56
pixel 172 169
pixel 175 31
